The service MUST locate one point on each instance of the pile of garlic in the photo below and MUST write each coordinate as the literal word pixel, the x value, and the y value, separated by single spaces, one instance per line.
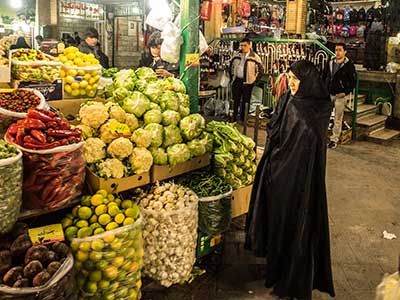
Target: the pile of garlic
pixel 170 215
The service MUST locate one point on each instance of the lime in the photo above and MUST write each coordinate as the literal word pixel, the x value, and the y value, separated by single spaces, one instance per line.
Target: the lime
pixel 127 204
pixel 93 219
pixel 98 231
pixel 66 222
pixel 85 201
pixel 96 200
pixel 94 226
pixel 103 284
pixel 90 287
pixel 133 294
pixel 109 238
pixel 129 253
pixel 122 235
pixel 97 245
pixel 118 201
pixel 111 272
pixel 74 246
pixel 109 255
pixel 102 193
pixel 121 275
pixel 114 286
pixel 80 280
pixel 69 216
pixel 133 212
pixel 75 211
pixel 84 246
pixel 126 266
pixel 95 276
pixel 104 219
pixel 111 226
pixel 85 232
pixel 122 293
pixel 101 209
pixel 137 244
pixel 134 267
pixel 89 265
pixel 110 197
pixel 102 265
pixel 112 204
pixel 139 284
pixel 118 261
pixel 95 256
pixel 119 218
pixel 71 232
pixel 82 224
pixel 109 296
pixel 116 245
pixel 129 221
pixel 84 213
pixel 77 265
pixel 81 256
pixel 113 210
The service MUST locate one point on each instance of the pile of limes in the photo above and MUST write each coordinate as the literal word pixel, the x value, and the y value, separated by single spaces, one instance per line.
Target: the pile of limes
pixel 109 249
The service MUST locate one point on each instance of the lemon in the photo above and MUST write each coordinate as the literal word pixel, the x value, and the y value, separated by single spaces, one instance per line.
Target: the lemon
pixel 111 226
pixel 113 210
pixel 122 292
pixel 95 256
pixel 114 286
pixel 82 92
pixel 103 284
pixel 78 61
pixel 66 222
pixel 90 55
pixel 69 63
pixel 110 197
pixel 91 287
pixel 118 201
pixel 133 212
pixel 96 200
pixel 62 58
pixel 70 56
pixel 109 296
pixel 91 94
pixel 97 245
pixel 129 221
pixel 118 261
pixel 111 273
pixel 87 77
pixel 75 86
pixel 74 246
pixel 71 232
pixel 95 225
pixel 84 213
pixel 94 87
pixel 109 238
pixel 133 294
pixel 69 79
pixel 93 219
pixel 81 73
pixel 127 204
pixel 72 72
pixel 102 193
pixel 82 224
pixel 81 256
pixel 67 88
pixel 102 265
pixel 75 93
pixel 119 218
pixel 101 209
pixel 85 232
pixel 83 84
pixel 139 284
pixel 62 73
pixel 92 81
pixel 98 231
pixel 116 245
pixel 75 211
pixel 89 88
pixel 104 219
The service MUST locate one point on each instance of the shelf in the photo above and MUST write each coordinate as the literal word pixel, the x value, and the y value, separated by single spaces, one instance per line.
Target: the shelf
pixel 344 3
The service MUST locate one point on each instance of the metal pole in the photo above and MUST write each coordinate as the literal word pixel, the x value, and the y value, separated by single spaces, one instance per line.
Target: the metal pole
pixel 355 106
pixel 257 124
pixel 190 25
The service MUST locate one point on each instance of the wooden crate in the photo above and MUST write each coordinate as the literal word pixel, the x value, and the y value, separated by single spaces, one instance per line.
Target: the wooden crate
pixel 241 200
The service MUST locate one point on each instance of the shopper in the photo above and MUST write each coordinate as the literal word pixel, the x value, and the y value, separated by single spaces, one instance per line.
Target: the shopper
pixel 245 70
pixel 20 44
pixel 288 216
pixel 340 78
pixel 90 44
pixel 77 38
pixel 39 40
pixel 152 58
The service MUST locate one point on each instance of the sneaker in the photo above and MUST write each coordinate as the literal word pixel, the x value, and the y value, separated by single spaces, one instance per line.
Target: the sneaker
pixel 332 145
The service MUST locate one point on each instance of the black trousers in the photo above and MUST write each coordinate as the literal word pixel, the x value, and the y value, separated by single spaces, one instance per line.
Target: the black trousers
pixel 241 94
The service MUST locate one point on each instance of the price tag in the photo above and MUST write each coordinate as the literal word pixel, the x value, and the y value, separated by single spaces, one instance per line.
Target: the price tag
pixel 216 240
pixel 46 234
pixel 6 90
pixel 192 59
pixel 120 129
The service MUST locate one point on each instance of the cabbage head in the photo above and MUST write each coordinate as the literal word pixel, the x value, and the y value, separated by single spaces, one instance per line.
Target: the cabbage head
pixel 196 147
pixel 170 117
pixel 146 74
pixel 155 106
pixel 160 156
pixel 142 138
pixel 136 104
pixel 154 90
pixel 192 126
pixel 153 116
pixel 184 100
pixel 125 79
pixel 178 153
pixel 157 134
pixel 141 160
pixel 208 140
pixel 172 135
pixel 120 94
pixel 169 101
pixel 140 84
pixel 184 111
pixel 174 84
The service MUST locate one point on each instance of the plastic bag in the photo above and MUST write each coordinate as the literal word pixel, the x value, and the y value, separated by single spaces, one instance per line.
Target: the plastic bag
pixel 215 213
pixel 10 191
pixel 389 288
pixel 203 45
pixel 225 80
pixel 170 239
pixel 54 177
pixel 109 264
pixel 8 117
pixel 209 107
pixel 159 20
pixel 172 41
pixel 60 287
pixel 81 81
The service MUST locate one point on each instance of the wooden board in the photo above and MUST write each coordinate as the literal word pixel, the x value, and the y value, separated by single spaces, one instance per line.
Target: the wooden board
pixel 241 200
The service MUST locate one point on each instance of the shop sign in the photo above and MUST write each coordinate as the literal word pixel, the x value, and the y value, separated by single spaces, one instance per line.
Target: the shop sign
pixel 81 10
pixel 46 234
pixel 192 59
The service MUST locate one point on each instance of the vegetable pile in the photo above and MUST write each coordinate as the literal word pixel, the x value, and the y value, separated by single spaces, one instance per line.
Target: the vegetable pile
pixel 7 150
pixel 109 73
pixel 170 232
pixel 30 55
pixel 234 154
pixel 19 100
pixel 108 252
pixel 43 129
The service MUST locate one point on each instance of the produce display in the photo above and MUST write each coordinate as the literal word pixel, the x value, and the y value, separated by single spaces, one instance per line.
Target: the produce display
pixel 170 232
pixel 234 154
pixel 4 47
pixel 10 185
pixel 33 65
pixel 81 72
pixel 19 100
pixel 25 266
pixel 109 73
pixel 54 167
pixel 109 249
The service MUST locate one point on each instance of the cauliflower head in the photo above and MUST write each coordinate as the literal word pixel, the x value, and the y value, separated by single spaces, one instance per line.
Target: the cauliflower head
pixel 94 150
pixel 87 132
pixel 116 112
pixel 106 134
pixel 111 168
pixel 93 114
pixel 131 121
pixel 141 160
pixel 120 148
pixel 142 138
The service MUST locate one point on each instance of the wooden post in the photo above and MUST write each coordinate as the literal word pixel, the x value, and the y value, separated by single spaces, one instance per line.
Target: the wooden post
pixel 396 108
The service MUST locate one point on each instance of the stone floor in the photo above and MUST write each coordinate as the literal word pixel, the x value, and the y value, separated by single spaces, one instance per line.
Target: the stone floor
pixel 364 196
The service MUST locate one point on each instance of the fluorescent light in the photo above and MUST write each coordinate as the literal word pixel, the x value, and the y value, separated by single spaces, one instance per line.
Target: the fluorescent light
pixel 16 4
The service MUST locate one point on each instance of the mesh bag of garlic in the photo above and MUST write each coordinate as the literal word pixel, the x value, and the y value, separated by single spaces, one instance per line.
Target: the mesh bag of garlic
pixel 389 288
pixel 170 214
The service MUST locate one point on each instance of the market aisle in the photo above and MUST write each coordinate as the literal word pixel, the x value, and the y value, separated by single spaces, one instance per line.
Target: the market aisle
pixel 363 191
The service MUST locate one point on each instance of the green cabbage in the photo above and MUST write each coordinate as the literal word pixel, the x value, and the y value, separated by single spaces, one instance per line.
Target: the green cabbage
pixel 136 104
pixel 222 160
pixel 141 85
pixel 157 134
pixel 208 140
pixel 178 153
pixel 142 138
pixel 153 116
pixel 160 157
pixel 120 94
pixel 146 74
pixel 154 90
pixel 155 106
pixel 125 79
pixel 192 126
pixel 169 101
pixel 184 111
pixel 174 84
pixel 172 135
pixel 184 100
pixel 170 117
pixel 196 147
pixel 141 160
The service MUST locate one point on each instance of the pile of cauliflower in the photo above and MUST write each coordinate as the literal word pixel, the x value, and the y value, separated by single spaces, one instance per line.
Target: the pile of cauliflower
pixel 115 145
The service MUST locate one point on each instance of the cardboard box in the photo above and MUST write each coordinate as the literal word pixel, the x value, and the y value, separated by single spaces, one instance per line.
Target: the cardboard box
pixel 159 173
pixel 207 244
pixel 50 90
pixel 241 200
pixel 117 185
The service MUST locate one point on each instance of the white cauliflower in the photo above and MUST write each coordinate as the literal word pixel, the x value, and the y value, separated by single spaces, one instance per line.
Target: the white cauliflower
pixel 141 160
pixel 142 138
pixel 116 112
pixel 93 114
pixel 87 132
pixel 94 150
pixel 111 168
pixel 120 148
pixel 131 121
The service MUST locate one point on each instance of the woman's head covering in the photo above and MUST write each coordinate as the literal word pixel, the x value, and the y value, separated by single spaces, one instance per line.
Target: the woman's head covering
pixel 155 39
pixel 91 32
pixel 311 85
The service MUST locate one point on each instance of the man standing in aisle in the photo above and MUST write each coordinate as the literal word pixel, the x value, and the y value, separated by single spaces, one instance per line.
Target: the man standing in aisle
pixel 90 44
pixel 245 70
pixel 340 78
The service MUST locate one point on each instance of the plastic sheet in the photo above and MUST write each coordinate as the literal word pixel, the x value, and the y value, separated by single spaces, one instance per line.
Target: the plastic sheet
pixel 10 191
pixel 172 41
pixel 389 288
pixel 60 287
pixel 215 213
pixel 109 264
pixel 81 82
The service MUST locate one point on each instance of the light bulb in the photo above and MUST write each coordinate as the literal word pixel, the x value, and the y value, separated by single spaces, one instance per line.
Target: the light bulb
pixel 16 4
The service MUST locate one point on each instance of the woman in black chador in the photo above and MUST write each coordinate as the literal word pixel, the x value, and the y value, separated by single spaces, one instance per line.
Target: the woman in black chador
pixel 288 216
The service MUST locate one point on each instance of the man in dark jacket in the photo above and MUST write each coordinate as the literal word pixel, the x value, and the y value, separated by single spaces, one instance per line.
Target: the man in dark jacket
pixel 90 44
pixel 340 78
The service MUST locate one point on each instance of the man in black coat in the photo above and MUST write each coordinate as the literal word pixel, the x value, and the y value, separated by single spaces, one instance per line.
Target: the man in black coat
pixel 340 79
pixel 90 44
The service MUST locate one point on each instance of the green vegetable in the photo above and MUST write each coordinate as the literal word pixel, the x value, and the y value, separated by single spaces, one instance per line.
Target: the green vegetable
pixel 154 90
pixel 170 117
pixel 174 84
pixel 160 157
pixel 169 101
pixel 146 73
pixel 192 126
pixel 178 153
pixel 119 94
pixel 7 150
pixel 109 72
pixel 157 134
pixel 172 135
pixel 125 79
pixel 153 116
pixel 136 104
pixel 196 147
